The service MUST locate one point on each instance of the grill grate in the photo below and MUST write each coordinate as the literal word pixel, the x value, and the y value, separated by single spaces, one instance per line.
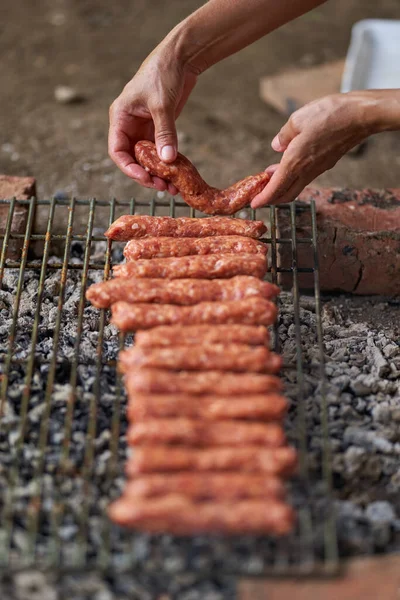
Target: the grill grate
pixel 62 408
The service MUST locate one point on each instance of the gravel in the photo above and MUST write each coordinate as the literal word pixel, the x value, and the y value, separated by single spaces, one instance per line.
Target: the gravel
pixel 363 401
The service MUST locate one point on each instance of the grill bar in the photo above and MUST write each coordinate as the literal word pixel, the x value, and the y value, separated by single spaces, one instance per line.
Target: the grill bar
pixel 116 549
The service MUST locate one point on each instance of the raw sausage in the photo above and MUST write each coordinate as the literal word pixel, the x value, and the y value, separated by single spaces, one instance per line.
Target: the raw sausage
pixel 219 383
pixel 210 266
pixel 269 407
pixel 177 514
pixel 193 189
pixel 253 311
pixel 193 432
pixel 163 247
pixel 221 357
pixel 250 459
pixel 171 335
pixel 201 486
pixel 130 227
pixel 178 291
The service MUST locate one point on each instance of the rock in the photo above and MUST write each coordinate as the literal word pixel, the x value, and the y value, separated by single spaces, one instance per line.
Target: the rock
pixel 64 94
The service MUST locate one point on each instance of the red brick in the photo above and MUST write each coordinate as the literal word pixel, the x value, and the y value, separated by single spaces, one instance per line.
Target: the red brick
pixel 374 578
pixel 21 188
pixel 358 240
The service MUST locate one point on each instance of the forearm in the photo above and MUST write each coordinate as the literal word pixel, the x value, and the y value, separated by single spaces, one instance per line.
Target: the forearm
pixel 386 110
pixel 222 27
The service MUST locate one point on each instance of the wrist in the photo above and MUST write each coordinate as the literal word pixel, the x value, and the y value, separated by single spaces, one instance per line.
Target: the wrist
pixel 379 109
pixel 185 47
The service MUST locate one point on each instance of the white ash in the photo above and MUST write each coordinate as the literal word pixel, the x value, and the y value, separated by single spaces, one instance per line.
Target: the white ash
pixel 363 394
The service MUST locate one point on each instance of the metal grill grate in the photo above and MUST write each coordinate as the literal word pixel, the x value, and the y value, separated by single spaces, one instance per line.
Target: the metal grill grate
pixel 62 425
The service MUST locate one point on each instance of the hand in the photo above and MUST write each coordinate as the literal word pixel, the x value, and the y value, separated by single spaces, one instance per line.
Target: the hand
pixel 313 140
pixel 146 110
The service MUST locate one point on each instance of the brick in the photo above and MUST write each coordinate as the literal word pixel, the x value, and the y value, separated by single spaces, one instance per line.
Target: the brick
pixel 21 188
pixel 367 578
pixel 358 241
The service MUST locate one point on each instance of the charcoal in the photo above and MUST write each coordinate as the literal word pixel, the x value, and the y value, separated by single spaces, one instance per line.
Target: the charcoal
pixel 362 392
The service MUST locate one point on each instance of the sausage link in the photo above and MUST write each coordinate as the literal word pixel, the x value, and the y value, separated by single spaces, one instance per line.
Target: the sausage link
pixel 221 357
pixel 193 432
pixel 130 227
pixel 211 266
pixel 193 189
pixel 177 514
pixel 269 407
pixel 202 486
pixel 178 291
pixel 253 311
pixel 250 459
pixel 171 335
pixel 219 383
pixel 164 247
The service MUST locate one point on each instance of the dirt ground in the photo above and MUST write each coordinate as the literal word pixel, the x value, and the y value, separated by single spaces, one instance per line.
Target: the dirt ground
pixel 95 46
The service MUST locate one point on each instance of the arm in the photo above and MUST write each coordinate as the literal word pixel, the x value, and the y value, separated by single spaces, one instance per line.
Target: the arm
pixel 152 100
pixel 320 133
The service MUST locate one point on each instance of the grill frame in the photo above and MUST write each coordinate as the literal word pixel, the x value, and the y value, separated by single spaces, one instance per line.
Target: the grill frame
pixel 103 561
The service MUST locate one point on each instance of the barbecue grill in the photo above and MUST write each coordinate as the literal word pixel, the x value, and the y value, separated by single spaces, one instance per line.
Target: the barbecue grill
pixel 62 424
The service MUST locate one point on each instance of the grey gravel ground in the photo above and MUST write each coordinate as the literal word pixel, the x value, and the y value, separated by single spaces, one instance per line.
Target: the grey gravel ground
pixel 363 393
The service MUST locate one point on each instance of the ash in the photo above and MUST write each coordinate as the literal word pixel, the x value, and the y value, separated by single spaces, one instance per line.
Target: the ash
pixel 55 497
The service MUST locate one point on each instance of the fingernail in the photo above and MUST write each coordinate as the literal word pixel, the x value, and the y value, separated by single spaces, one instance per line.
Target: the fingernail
pixel 276 145
pixel 168 153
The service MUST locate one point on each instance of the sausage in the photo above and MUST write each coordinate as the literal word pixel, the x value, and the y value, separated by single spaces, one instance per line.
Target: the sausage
pixel 178 291
pixel 221 357
pixel 193 189
pixel 164 247
pixel 171 335
pixel 250 459
pixel 219 383
pixel 179 515
pixel 194 432
pixel 201 486
pixel 269 407
pixel 130 227
pixel 211 266
pixel 252 311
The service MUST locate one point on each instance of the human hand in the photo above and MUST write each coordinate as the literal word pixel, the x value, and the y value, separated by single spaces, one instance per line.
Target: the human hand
pixel 146 110
pixel 313 140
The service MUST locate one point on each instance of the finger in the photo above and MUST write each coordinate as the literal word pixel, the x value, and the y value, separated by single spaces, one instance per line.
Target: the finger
pixel 119 151
pixel 172 189
pixel 293 192
pixel 159 184
pixel 279 184
pixel 282 140
pixel 272 168
pixel 165 132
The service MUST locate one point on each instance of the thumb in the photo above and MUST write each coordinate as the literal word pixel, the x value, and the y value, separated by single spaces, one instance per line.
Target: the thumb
pixel 165 133
pixel 284 137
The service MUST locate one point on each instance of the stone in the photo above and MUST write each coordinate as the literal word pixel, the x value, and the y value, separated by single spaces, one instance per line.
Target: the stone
pixel 65 94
